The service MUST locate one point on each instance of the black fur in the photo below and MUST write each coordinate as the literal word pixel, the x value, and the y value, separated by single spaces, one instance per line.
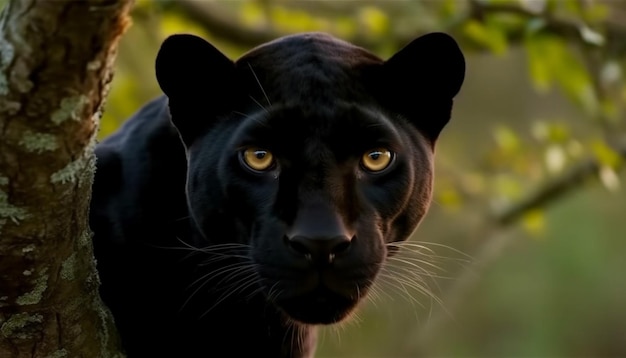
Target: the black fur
pixel 199 254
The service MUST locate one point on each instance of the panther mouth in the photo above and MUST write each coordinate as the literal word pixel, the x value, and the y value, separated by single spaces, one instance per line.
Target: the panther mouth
pixel 320 306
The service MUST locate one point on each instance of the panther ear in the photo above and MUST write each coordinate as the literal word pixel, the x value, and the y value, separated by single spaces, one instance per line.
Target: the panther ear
pixel 198 80
pixel 422 78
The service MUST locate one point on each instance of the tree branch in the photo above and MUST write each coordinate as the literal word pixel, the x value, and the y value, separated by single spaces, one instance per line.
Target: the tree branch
pixel 554 189
pixel 497 236
pixel 220 23
pixel 613 32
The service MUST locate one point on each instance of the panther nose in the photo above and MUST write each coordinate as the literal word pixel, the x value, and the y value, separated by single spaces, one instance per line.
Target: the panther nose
pixel 318 249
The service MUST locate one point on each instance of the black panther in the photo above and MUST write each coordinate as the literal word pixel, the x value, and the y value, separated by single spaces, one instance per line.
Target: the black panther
pixel 258 198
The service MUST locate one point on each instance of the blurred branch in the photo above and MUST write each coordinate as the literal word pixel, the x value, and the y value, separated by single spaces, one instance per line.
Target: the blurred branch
pixel 614 30
pixel 555 188
pixel 222 24
pixel 565 28
pixel 496 235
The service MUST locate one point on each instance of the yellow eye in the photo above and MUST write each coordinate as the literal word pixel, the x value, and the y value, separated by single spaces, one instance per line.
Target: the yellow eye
pixel 377 159
pixel 258 159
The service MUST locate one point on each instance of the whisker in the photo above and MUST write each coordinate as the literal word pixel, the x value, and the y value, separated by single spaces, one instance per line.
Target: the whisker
pixel 260 85
pixel 411 267
pixel 218 247
pixel 418 277
pixel 234 273
pixel 291 327
pixel 259 104
pixel 415 265
pixel 257 290
pixel 243 283
pixel 404 271
pixel 237 267
pixel 373 296
pixel 412 271
pixel 423 245
pixel 210 248
pixel 219 257
pixel 424 289
pixel 224 273
pixel 244 115
pixel 381 292
pixel 392 282
pixel 272 294
pixel 416 260
pixel 401 283
pixel 413 301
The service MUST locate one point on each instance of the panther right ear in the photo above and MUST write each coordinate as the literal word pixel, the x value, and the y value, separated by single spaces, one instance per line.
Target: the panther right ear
pixel 198 80
pixel 422 79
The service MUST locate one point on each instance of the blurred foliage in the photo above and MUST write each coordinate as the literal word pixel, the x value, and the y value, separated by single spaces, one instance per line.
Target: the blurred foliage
pixel 539 134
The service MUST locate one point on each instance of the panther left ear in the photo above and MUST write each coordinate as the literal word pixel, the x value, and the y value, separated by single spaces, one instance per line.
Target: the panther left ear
pixel 198 80
pixel 422 78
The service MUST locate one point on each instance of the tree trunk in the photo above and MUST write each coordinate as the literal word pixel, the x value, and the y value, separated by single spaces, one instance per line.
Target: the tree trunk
pixel 56 61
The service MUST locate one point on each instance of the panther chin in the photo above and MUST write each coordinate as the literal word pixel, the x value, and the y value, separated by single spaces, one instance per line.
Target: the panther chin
pixel 316 296
pixel 320 306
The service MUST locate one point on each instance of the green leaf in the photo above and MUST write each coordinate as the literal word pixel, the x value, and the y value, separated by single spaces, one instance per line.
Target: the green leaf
pixel 450 198
pixel 555 158
pixel 474 183
pixel 449 8
pixel 547 132
pixel 487 34
pixel 344 27
pixel 507 187
pixel 540 69
pixel 535 25
pixel 551 62
pixel 374 20
pixel 289 20
pixel 575 149
pixel 591 36
pixel 596 12
pixel 172 23
pixel 609 178
pixel 506 139
pixel 251 14
pixel 534 222
pixel 605 154
pixel 535 6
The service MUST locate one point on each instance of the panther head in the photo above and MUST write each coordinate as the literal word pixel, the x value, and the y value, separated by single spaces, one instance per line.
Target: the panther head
pixel 313 152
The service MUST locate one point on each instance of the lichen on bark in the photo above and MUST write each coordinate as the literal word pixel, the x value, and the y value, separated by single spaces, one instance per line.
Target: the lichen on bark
pixel 56 60
pixel 69 109
pixel 38 142
pixel 39 287
pixel 16 325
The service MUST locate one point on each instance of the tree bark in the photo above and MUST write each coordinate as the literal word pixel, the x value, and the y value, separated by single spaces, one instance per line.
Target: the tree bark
pixel 56 61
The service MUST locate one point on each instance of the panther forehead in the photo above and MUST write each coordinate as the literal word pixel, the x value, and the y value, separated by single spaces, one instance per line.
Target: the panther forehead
pixel 314 66
pixel 297 47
